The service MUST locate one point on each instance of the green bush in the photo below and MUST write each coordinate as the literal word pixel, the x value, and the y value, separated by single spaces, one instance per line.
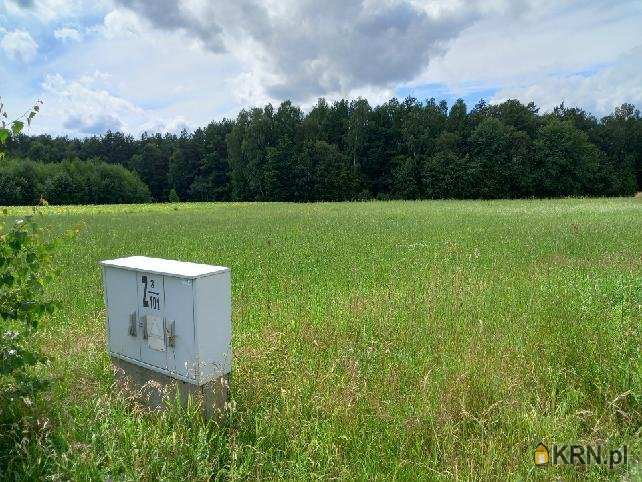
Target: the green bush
pixel 25 266
pixel 25 269
pixel 173 196
pixel 24 182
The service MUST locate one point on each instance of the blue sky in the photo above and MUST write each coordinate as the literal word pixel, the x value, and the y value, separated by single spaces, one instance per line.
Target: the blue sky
pixel 164 65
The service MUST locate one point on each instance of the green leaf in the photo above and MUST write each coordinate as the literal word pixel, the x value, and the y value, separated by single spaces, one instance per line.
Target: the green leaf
pixel 4 135
pixel 17 126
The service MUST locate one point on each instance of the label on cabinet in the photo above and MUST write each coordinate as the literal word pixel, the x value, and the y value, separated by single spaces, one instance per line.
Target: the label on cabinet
pixel 155 333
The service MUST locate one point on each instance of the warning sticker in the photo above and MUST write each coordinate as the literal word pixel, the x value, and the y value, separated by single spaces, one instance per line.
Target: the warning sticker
pixel 155 333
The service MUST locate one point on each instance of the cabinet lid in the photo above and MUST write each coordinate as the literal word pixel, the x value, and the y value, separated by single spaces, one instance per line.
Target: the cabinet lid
pixel 169 267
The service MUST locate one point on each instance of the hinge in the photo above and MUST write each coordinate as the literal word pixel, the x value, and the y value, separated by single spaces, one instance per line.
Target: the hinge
pixel 170 332
pixel 144 327
pixel 132 324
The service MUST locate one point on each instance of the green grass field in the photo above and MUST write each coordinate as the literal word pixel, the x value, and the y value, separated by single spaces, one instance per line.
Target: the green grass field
pixel 430 340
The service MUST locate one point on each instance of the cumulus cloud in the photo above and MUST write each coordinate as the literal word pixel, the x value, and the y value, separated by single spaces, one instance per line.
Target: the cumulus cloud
pixel 44 10
pixel 598 92
pixel 175 15
pixel 352 47
pixel 50 10
pixel 92 123
pixel 555 40
pixel 171 126
pixel 303 49
pixel 121 23
pixel 67 33
pixel 19 45
pixel 85 107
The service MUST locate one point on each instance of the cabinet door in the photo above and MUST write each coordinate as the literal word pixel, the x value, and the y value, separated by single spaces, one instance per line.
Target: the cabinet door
pixel 123 332
pixel 151 313
pixel 179 319
pixel 213 321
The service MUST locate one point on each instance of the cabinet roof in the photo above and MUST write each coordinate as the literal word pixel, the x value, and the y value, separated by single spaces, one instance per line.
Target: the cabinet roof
pixel 169 267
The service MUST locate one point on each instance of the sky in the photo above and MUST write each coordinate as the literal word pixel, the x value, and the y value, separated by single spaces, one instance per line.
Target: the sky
pixel 168 65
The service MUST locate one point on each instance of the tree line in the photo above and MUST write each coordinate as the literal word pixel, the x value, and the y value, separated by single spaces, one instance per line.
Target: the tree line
pixel 348 150
pixel 25 182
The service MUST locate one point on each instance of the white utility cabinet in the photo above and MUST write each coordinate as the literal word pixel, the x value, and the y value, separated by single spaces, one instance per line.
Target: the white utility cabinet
pixel 171 317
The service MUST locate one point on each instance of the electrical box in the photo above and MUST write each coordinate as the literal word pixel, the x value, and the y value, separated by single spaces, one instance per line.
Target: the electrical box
pixel 171 317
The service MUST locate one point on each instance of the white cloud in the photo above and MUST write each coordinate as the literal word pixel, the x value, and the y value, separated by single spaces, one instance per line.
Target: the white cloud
pixel 89 123
pixel 157 71
pixel 67 33
pixel 598 92
pixel 83 106
pixel 121 23
pixel 19 45
pixel 172 126
pixel 302 50
pixel 46 11
pixel 554 39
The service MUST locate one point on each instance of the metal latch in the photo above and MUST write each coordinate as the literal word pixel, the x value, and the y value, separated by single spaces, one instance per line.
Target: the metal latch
pixel 132 324
pixel 143 325
pixel 170 332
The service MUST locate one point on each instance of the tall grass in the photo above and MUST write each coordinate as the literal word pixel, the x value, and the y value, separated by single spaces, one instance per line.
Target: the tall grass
pixel 432 340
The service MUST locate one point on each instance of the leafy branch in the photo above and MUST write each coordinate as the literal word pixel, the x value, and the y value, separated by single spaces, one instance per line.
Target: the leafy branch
pixel 14 127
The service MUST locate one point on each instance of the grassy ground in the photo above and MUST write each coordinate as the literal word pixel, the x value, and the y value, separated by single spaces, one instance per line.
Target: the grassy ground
pixel 433 340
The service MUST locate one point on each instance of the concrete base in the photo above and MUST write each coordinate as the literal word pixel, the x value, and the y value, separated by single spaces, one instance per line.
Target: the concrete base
pixel 155 388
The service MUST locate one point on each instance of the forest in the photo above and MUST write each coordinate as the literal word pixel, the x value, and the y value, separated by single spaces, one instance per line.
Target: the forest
pixel 344 150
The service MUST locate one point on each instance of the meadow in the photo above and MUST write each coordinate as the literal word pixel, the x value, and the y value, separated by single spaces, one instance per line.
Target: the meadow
pixel 392 340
